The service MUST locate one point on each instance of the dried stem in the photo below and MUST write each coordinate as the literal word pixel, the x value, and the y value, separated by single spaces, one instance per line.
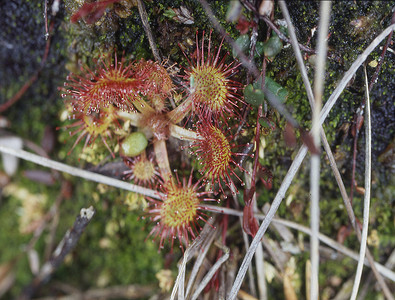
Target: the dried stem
pixel 387 272
pixel 147 29
pixel 366 202
pixel 67 244
pixel 212 271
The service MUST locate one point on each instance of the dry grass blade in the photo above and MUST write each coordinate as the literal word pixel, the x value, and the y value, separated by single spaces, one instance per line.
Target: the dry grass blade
pixel 366 202
pixel 319 76
pixel 199 261
pixel 298 160
pixel 212 271
pixel 188 254
pixel 351 216
pixel 49 163
pixel 385 271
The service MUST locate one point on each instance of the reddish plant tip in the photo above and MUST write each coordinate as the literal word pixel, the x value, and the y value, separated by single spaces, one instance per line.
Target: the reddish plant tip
pixel 213 93
pixel 214 152
pixel 177 214
pixel 91 12
pixel 110 83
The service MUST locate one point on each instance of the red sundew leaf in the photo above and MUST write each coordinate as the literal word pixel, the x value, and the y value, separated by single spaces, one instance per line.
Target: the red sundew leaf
pixel 243 25
pixel 308 141
pixel 289 135
pixel 250 223
pixel 343 233
pixel 266 176
pixel 93 11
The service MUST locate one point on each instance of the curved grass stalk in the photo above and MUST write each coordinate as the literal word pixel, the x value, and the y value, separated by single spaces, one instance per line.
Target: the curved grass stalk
pixel 49 163
pixel 366 199
pixel 299 159
pixel 335 171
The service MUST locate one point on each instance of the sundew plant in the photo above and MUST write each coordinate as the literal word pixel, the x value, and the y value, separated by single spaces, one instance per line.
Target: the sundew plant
pixel 238 149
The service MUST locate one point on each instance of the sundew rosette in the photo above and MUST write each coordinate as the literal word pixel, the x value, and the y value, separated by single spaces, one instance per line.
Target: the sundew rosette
pixel 211 91
pixel 177 214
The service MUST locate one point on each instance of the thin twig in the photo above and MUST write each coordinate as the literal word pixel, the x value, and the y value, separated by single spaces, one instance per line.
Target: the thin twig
pixel 147 29
pixel 49 163
pixel 366 202
pixel 67 244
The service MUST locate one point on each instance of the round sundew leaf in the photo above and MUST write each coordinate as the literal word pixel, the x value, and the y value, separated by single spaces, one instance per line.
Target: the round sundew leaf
pixel 273 46
pixel 253 96
pixel 273 87
pixel 243 42
pixel 134 144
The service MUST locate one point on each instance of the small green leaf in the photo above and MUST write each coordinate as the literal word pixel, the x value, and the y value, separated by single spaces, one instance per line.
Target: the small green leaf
pixel 169 13
pixel 134 144
pixel 243 42
pixel 253 96
pixel 273 87
pixel 276 89
pixel 273 46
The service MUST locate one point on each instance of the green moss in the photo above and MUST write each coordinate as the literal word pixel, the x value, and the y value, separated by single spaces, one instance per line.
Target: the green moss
pixel 113 250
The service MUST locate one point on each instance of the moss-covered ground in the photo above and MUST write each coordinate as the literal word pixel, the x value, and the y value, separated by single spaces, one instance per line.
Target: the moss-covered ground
pixel 114 249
